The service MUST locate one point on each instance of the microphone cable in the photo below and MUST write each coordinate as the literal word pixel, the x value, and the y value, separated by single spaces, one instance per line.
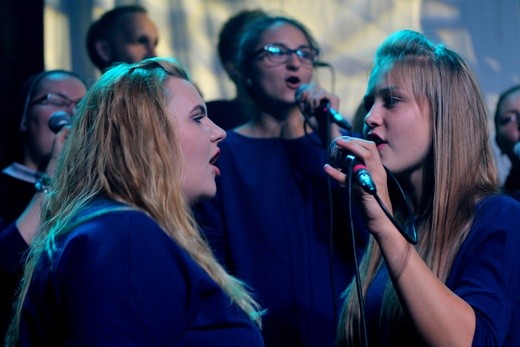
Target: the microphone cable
pixel 326 138
pixel 329 66
pixel 408 232
pixel 359 288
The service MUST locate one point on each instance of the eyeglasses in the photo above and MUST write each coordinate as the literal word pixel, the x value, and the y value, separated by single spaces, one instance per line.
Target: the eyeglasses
pixel 55 100
pixel 279 54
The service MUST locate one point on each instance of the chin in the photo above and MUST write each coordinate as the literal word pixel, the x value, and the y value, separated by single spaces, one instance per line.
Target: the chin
pixel 202 196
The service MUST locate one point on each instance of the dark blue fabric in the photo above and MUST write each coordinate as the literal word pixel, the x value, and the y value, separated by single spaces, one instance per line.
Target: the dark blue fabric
pixel 270 225
pixel 15 196
pixel 119 280
pixel 12 250
pixel 485 273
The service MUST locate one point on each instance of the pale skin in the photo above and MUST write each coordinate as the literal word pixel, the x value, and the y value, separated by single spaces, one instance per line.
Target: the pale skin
pixel 198 139
pixel 280 115
pixel 401 129
pixel 39 137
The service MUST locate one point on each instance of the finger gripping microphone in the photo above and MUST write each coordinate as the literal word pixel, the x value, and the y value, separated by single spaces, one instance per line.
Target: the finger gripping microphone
pixel 325 110
pixel 58 120
pixel 339 158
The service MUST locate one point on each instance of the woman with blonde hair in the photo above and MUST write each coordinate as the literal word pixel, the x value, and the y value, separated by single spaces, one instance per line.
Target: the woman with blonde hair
pixel 119 260
pixel 460 285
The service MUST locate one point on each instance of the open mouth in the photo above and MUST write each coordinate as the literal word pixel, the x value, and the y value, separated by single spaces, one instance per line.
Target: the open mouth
pixel 293 81
pixel 374 138
pixel 213 159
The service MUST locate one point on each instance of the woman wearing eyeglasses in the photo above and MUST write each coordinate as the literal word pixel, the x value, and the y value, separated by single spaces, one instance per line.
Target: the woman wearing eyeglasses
pixel 270 222
pixel 44 94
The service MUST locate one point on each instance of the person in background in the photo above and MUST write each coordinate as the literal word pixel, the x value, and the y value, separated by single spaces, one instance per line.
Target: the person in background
pixel 125 34
pixel 119 259
pixel 15 239
pixel 427 125
pixel 507 136
pixel 229 114
pixel 275 222
pixel 44 95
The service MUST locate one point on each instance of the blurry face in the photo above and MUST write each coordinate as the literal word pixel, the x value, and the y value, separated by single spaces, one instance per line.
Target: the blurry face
pixel 39 137
pixel 401 127
pixel 508 129
pixel 198 137
pixel 278 81
pixel 135 39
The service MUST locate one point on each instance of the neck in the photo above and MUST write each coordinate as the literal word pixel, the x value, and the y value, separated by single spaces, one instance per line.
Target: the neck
pixel 288 125
pixel 412 184
pixel 35 163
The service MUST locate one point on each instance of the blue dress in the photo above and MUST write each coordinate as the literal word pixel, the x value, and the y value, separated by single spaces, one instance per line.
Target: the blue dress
pixel 119 280
pixel 485 274
pixel 270 224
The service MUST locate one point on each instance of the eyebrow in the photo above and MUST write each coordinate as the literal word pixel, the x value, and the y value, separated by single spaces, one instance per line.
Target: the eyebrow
pixel 388 90
pixel 199 108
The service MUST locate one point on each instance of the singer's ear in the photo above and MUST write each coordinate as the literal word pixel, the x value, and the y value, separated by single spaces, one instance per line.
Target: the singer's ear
pixel 103 50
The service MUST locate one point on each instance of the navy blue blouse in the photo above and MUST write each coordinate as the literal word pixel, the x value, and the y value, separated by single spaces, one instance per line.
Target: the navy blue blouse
pixel 485 273
pixel 119 280
pixel 270 223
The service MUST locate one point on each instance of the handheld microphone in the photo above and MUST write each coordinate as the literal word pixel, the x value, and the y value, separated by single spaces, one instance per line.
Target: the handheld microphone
pixel 325 109
pixel 58 120
pixel 339 158
pixel 336 117
pixel 516 149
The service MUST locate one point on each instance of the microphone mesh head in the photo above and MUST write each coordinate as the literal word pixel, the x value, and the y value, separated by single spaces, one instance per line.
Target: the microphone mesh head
pixel 335 154
pixel 58 120
pixel 516 149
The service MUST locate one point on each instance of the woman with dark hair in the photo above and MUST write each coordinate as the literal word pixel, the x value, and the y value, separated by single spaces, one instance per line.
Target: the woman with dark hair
pixel 275 222
pixel 507 136
pixel 459 285
pixel 119 260
pixel 44 95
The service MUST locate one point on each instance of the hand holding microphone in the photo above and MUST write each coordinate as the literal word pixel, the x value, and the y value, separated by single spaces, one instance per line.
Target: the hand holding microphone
pixel 340 158
pixel 319 105
pixel 56 122
pixel 352 165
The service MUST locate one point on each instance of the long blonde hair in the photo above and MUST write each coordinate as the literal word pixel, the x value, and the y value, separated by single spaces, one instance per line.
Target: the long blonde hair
pixel 460 140
pixel 122 126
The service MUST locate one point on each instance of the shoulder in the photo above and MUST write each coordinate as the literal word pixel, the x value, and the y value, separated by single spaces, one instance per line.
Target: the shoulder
pixel 115 226
pixel 498 210
pixel 115 238
pixel 496 222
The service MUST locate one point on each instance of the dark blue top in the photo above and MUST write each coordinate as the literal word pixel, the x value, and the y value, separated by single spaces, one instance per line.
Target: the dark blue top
pixel 270 224
pixel 119 280
pixel 485 274
pixel 12 251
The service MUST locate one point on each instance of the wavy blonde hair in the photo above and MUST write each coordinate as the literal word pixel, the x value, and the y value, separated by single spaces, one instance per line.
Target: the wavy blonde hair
pixel 122 126
pixel 441 80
